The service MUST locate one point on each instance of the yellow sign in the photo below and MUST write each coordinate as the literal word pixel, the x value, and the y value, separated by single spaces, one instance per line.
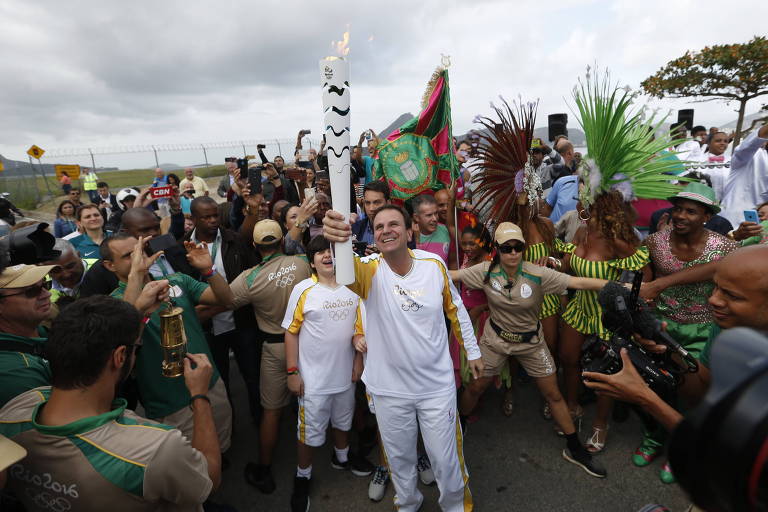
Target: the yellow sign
pixel 73 171
pixel 35 152
pixel 2 166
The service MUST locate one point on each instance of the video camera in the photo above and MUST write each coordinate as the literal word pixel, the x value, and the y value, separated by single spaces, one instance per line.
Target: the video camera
pixel 626 314
pixel 29 245
pixel 719 453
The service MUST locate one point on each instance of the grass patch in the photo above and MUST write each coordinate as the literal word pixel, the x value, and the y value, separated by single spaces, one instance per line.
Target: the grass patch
pixel 31 194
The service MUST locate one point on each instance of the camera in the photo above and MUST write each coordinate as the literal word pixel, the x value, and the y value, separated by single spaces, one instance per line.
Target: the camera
pixel 29 245
pixel 603 356
pixel 719 453
pixel 261 146
pixel 625 314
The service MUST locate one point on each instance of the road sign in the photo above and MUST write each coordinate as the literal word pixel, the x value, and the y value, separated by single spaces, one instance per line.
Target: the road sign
pixel 73 171
pixel 2 166
pixel 35 152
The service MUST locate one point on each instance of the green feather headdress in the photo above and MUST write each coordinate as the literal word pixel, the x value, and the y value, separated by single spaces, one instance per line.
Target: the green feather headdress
pixel 622 152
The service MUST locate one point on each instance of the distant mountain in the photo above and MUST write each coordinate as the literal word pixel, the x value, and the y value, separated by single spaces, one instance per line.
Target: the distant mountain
pixel 394 125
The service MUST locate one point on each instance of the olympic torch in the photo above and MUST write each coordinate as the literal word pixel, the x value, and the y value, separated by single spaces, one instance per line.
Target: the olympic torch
pixel 334 76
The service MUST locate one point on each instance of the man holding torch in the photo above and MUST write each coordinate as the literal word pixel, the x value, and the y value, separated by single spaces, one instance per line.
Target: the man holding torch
pixel 408 371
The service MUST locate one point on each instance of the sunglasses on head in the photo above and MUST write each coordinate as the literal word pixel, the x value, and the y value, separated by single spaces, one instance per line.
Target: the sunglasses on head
pixel 508 248
pixel 31 292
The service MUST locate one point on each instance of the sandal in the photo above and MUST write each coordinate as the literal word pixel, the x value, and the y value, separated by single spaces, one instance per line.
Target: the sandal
pixel 596 443
pixel 508 405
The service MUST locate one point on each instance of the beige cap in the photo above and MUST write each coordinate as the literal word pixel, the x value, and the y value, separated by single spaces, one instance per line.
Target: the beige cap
pixel 10 452
pixel 21 276
pixel 266 232
pixel 508 231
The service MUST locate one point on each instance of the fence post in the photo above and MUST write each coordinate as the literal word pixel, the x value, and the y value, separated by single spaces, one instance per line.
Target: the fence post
pixel 245 153
pixel 157 162
pixel 93 162
pixel 34 180
pixel 205 155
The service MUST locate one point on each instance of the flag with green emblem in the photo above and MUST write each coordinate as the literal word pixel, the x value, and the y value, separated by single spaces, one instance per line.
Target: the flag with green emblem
pixel 420 155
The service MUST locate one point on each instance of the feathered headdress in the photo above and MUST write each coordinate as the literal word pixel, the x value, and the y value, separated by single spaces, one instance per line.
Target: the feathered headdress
pixel 504 157
pixel 622 150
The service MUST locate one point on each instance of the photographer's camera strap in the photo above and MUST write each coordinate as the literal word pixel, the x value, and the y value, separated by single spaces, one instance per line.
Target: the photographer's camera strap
pixel 25 348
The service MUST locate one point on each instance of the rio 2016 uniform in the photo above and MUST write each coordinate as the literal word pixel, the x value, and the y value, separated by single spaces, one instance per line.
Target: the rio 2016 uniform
pixel 267 287
pixel 409 372
pixel 325 320
pixel 116 461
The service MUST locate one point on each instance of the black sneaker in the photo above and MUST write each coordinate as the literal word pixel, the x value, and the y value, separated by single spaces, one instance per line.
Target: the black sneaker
pixel 260 476
pixel 300 495
pixel 360 465
pixel 584 460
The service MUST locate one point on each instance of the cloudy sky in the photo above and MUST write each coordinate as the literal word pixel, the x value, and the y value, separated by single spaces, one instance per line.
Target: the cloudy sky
pixel 80 74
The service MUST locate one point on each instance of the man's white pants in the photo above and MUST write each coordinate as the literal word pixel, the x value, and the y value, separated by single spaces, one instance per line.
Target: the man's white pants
pixel 399 420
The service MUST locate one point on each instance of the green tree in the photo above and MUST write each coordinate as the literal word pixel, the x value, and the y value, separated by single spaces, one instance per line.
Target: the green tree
pixel 731 72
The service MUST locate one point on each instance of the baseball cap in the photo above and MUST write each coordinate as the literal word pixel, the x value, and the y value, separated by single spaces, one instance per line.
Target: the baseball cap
pixel 10 452
pixel 266 232
pixel 508 231
pixel 21 276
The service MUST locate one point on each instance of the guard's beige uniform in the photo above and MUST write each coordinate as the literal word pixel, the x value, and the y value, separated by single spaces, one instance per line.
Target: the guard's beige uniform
pixel 267 287
pixel 515 310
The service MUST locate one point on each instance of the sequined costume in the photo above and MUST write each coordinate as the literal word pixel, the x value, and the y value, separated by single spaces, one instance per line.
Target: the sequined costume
pixel 685 307
pixel 551 305
pixel 583 311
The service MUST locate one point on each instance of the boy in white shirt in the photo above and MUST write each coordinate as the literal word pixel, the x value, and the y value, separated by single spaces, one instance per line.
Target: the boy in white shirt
pixel 321 320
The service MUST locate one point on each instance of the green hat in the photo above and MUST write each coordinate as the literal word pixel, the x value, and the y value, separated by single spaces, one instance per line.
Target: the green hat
pixel 700 193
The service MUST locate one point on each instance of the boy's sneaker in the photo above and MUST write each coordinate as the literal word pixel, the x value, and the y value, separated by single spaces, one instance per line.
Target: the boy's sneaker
pixel 300 495
pixel 378 486
pixel 426 475
pixel 585 461
pixel 359 466
pixel 260 476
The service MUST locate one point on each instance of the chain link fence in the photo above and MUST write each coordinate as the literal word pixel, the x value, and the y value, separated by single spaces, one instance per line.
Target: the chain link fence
pixel 34 182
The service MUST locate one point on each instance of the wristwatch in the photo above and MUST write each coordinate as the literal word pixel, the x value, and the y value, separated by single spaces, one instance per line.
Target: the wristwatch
pixel 302 225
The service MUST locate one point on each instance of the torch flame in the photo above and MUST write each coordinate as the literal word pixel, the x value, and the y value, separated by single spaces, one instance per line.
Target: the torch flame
pixel 342 47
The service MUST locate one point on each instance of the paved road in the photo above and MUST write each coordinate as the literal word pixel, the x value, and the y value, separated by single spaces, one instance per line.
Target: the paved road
pixel 514 464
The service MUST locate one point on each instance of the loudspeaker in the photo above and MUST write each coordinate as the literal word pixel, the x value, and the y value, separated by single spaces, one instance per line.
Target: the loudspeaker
pixel 685 117
pixel 558 125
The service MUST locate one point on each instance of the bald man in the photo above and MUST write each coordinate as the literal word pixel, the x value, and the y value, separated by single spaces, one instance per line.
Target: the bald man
pixel 740 299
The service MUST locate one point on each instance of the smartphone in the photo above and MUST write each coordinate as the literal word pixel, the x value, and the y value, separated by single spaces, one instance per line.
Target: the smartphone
pixel 254 179
pixel 368 135
pixel 309 193
pixel 751 216
pixel 161 243
pixel 360 247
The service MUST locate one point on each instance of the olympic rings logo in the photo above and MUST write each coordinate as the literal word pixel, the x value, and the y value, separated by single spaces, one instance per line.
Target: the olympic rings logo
pixel 412 305
pixel 338 315
pixel 284 281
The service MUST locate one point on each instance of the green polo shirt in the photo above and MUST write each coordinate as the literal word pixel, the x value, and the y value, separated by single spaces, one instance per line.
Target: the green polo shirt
pixel 20 372
pixel 160 395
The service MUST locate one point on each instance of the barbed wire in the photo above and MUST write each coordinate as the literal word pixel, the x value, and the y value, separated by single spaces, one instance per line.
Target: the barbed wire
pixel 148 148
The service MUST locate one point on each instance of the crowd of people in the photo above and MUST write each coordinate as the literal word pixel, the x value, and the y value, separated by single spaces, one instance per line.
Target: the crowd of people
pixel 482 281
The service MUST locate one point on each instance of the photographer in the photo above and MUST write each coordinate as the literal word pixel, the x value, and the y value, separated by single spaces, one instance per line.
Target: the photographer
pixel 279 187
pixel 739 299
pixel 98 455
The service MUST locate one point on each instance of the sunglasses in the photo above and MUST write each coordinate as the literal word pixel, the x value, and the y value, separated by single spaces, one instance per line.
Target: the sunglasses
pixel 31 292
pixel 506 249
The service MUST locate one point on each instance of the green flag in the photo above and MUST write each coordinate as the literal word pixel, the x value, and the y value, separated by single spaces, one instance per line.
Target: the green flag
pixel 420 155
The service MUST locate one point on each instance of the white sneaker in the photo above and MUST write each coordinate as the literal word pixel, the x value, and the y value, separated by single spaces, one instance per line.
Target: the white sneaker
pixel 378 485
pixel 426 475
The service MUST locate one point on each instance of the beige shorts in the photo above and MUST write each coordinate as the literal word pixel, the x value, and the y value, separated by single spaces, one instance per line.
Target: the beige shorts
pixel 534 357
pixel 273 381
pixel 222 416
